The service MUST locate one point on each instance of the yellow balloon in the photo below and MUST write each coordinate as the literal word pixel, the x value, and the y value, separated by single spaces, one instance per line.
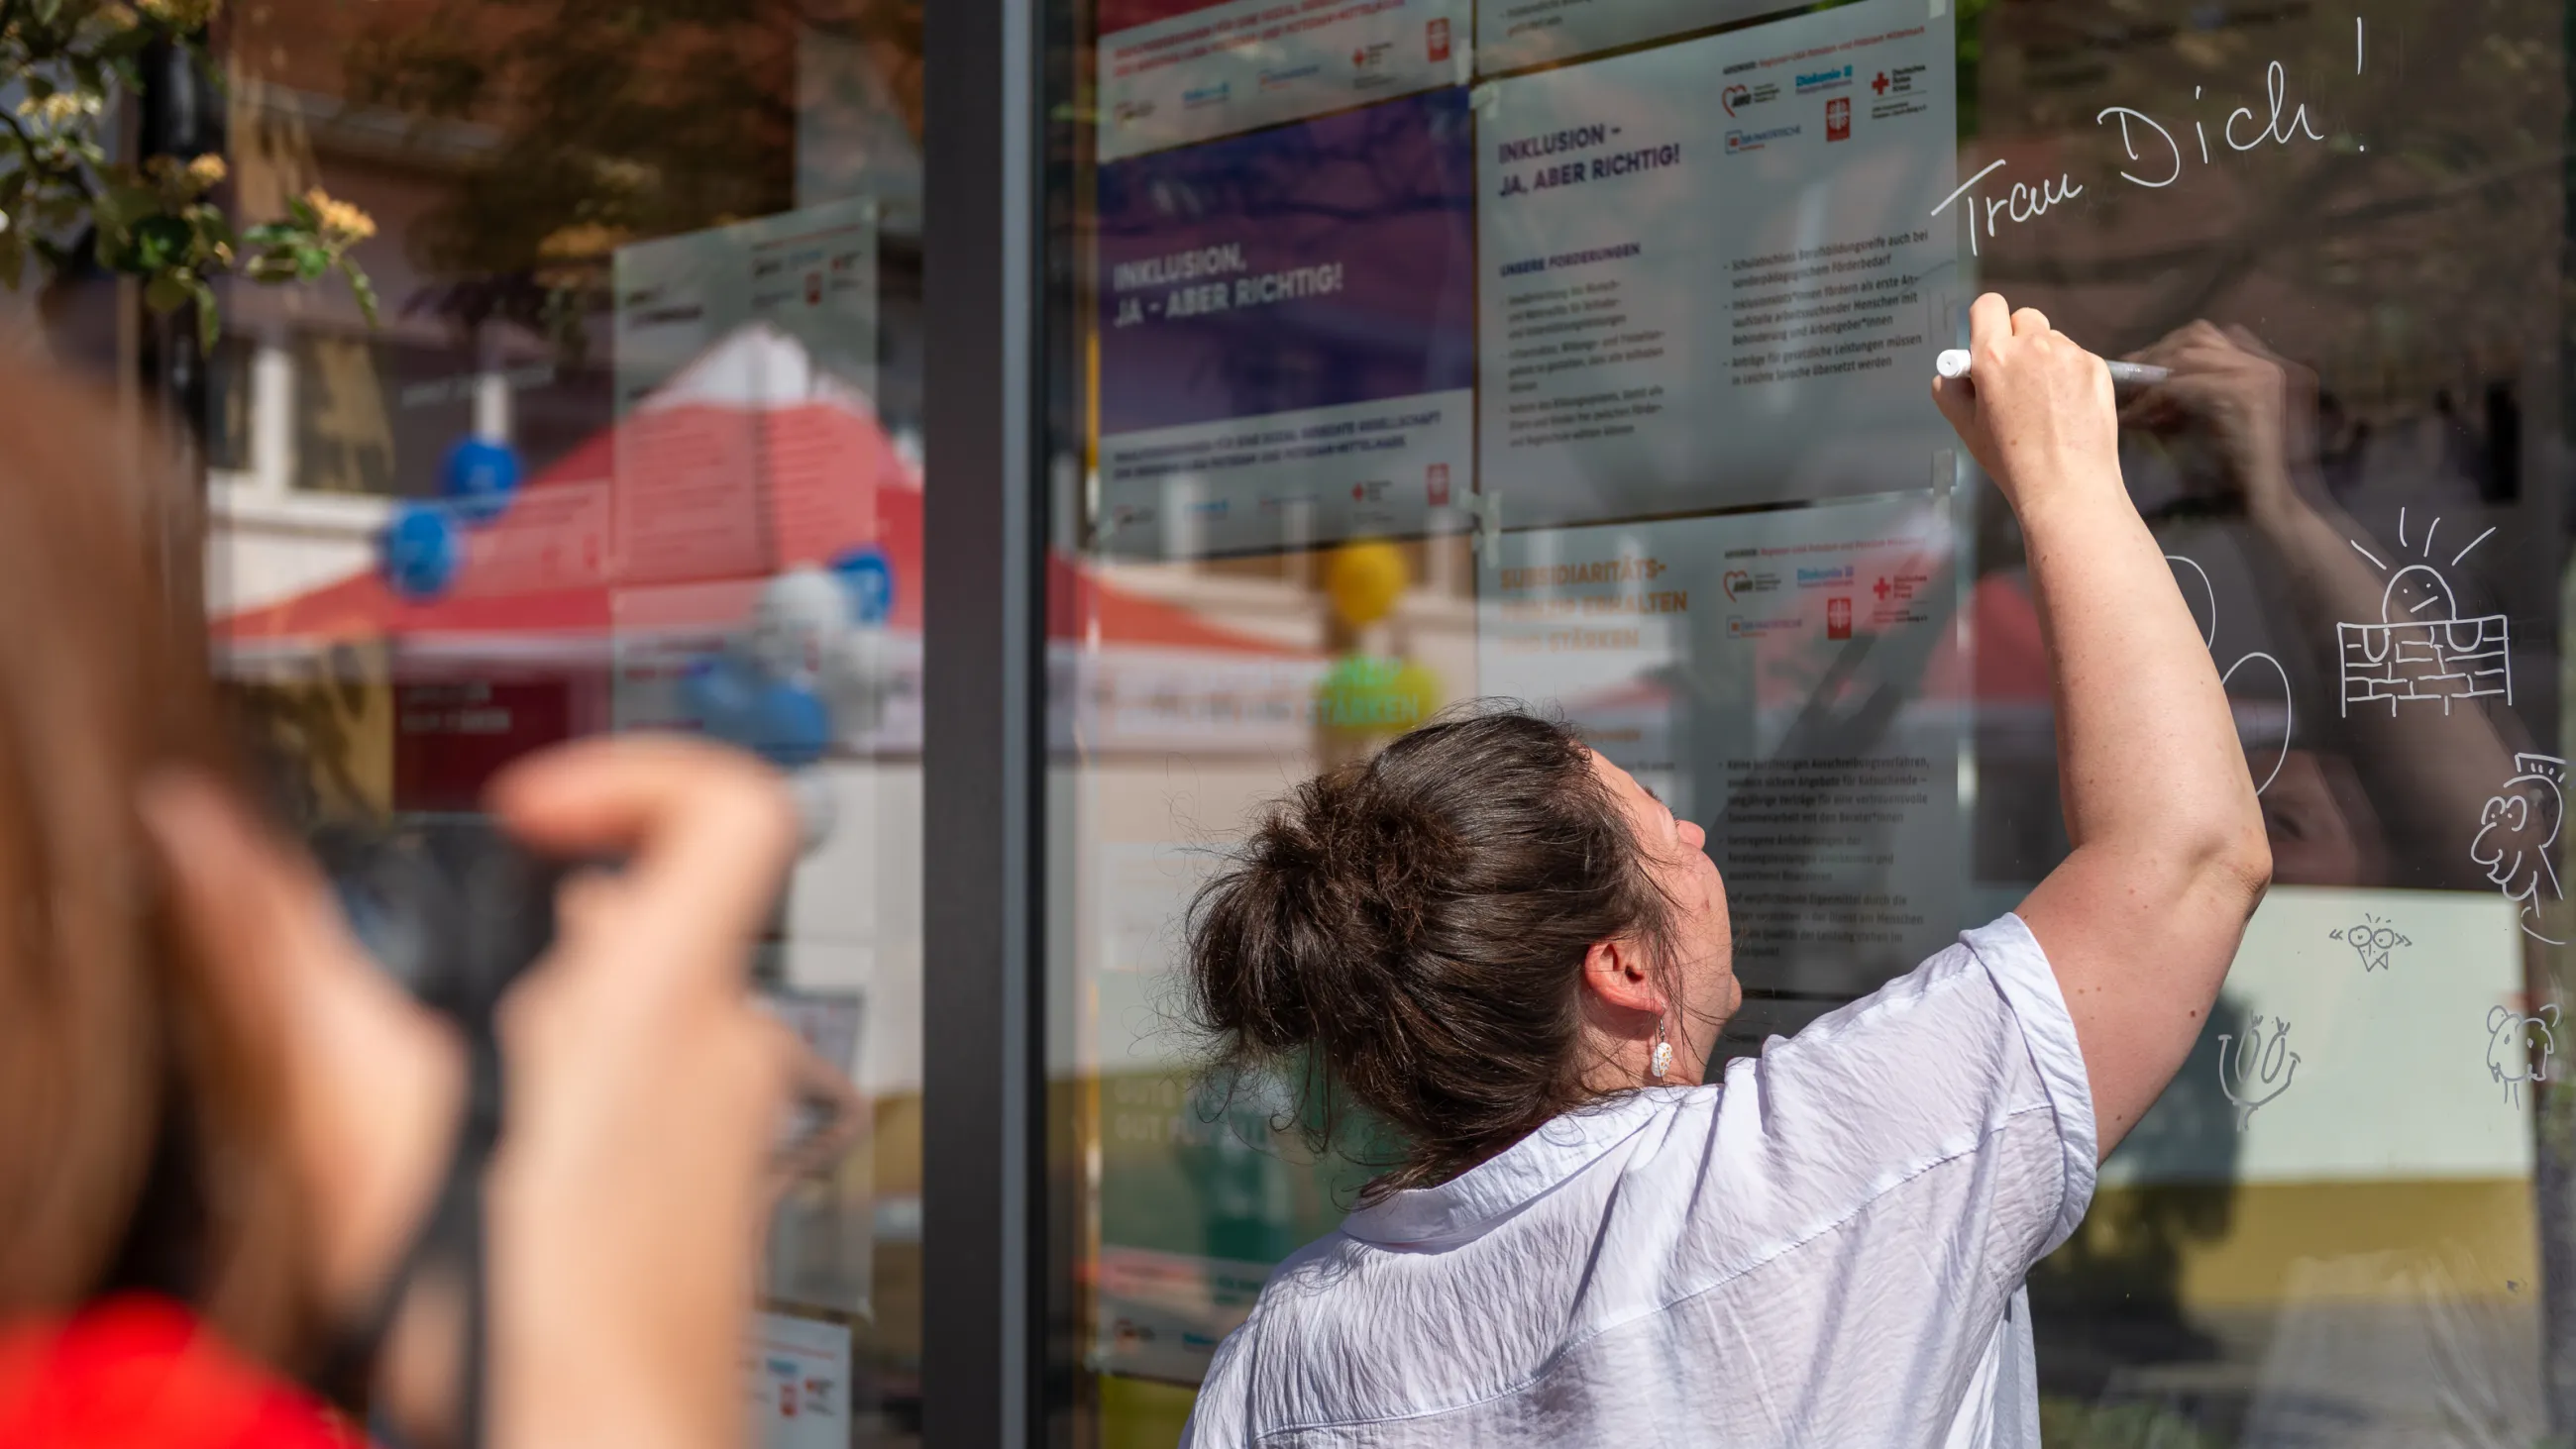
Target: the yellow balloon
pixel 1364 580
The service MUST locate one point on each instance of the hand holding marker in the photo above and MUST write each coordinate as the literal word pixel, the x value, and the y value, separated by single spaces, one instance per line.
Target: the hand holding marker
pixel 1953 363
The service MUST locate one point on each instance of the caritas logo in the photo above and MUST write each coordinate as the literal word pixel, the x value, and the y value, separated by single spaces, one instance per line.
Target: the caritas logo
pixel 1838 618
pixel 1435 484
pixel 1435 38
pixel 1838 119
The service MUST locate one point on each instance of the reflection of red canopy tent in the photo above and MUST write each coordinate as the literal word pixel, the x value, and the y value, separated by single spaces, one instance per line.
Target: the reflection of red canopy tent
pixel 748 462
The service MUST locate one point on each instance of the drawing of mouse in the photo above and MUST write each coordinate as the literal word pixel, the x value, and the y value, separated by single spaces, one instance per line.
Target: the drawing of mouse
pixel 2517 831
pixel 2519 1047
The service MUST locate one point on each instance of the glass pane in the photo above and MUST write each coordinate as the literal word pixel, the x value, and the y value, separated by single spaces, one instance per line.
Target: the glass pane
pixel 633 443
pixel 1577 353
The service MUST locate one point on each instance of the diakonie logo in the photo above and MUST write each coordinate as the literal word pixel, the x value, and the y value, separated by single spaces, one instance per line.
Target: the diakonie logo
pixel 1738 142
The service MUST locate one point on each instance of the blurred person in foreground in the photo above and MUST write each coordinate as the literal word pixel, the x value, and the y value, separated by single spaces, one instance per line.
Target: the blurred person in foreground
pixel 221 1126
pixel 1519 959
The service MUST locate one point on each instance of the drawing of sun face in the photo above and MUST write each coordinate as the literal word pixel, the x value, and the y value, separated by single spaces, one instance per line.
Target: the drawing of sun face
pixel 2421 653
pixel 2418 592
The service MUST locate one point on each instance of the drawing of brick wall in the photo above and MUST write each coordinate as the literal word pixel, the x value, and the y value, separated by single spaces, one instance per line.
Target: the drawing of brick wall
pixel 2443 659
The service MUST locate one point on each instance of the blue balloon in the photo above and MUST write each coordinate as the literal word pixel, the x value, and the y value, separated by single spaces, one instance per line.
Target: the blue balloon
pixel 787 724
pixel 793 726
pixel 721 693
pixel 480 477
pixel 867 576
pixel 420 550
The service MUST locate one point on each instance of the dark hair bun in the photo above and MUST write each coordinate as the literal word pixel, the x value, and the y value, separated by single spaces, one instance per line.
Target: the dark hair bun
pixel 1414 927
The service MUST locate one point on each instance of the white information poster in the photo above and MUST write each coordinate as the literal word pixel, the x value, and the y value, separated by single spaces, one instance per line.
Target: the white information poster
pixel 1176 71
pixel 1786 679
pixel 760 317
pixel 811 273
pixel 799 1382
pixel 1710 273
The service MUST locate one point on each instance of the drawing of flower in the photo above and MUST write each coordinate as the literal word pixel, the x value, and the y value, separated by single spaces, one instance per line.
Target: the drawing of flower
pixel 2258 1062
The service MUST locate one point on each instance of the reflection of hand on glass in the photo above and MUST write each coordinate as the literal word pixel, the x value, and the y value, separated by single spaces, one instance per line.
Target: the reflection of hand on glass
pixel 2259 409
pixel 2424 765
pixel 839 1117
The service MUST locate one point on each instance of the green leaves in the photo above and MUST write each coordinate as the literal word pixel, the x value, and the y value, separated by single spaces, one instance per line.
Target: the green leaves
pixel 74 59
pixel 166 292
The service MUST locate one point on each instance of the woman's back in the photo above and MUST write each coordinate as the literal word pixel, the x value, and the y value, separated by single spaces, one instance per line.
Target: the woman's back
pixel 1792 1256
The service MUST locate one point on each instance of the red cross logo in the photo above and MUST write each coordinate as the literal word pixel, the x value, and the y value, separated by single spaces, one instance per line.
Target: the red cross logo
pixel 1880 85
pixel 1880 589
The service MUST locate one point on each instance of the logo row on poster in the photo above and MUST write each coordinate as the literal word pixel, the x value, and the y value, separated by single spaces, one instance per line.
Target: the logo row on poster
pixel 1173 72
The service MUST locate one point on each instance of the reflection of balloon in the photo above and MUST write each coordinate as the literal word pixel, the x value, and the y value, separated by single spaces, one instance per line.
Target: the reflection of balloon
pixel 479 477
pixel 420 550
pixel 867 575
pixel 791 726
pixel 1365 695
pixel 799 623
pixel 1364 580
pixel 719 690
pixel 818 809
pixel 783 721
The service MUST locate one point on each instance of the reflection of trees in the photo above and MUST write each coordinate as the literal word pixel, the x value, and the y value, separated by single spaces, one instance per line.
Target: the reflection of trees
pixel 618 121
pixel 309 732
pixel 2429 192
pixel 2111 1297
pixel 1384 169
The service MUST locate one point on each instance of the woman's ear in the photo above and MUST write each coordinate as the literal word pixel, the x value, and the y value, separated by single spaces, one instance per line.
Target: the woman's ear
pixel 1616 973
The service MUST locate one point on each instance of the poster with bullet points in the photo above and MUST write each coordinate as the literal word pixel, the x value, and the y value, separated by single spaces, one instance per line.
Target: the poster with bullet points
pixel 1709 274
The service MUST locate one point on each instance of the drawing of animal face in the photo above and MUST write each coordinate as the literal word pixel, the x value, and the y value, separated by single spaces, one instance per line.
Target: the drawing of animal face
pixel 2519 1047
pixel 2418 592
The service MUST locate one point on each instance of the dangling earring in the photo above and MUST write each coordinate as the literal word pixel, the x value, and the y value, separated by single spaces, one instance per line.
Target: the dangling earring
pixel 1662 1061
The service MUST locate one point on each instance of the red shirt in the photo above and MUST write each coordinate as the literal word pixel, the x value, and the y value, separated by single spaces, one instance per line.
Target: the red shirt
pixel 143 1373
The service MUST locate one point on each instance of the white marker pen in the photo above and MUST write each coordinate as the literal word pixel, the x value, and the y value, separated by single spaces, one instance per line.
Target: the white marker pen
pixel 1953 362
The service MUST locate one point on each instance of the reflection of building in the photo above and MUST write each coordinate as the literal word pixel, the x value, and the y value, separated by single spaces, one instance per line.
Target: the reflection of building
pixel 319 418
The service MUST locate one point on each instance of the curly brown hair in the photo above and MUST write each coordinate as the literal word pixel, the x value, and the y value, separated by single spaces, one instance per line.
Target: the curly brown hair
pixel 1408 933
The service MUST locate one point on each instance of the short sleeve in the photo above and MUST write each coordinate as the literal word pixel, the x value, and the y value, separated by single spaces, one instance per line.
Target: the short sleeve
pixel 1964 1070
pixel 2028 984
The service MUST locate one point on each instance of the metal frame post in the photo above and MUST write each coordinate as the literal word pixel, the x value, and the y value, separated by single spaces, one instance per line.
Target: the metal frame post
pixel 983 701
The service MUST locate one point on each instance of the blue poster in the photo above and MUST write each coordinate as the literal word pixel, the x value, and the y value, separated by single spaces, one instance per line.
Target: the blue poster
pixel 1287 333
